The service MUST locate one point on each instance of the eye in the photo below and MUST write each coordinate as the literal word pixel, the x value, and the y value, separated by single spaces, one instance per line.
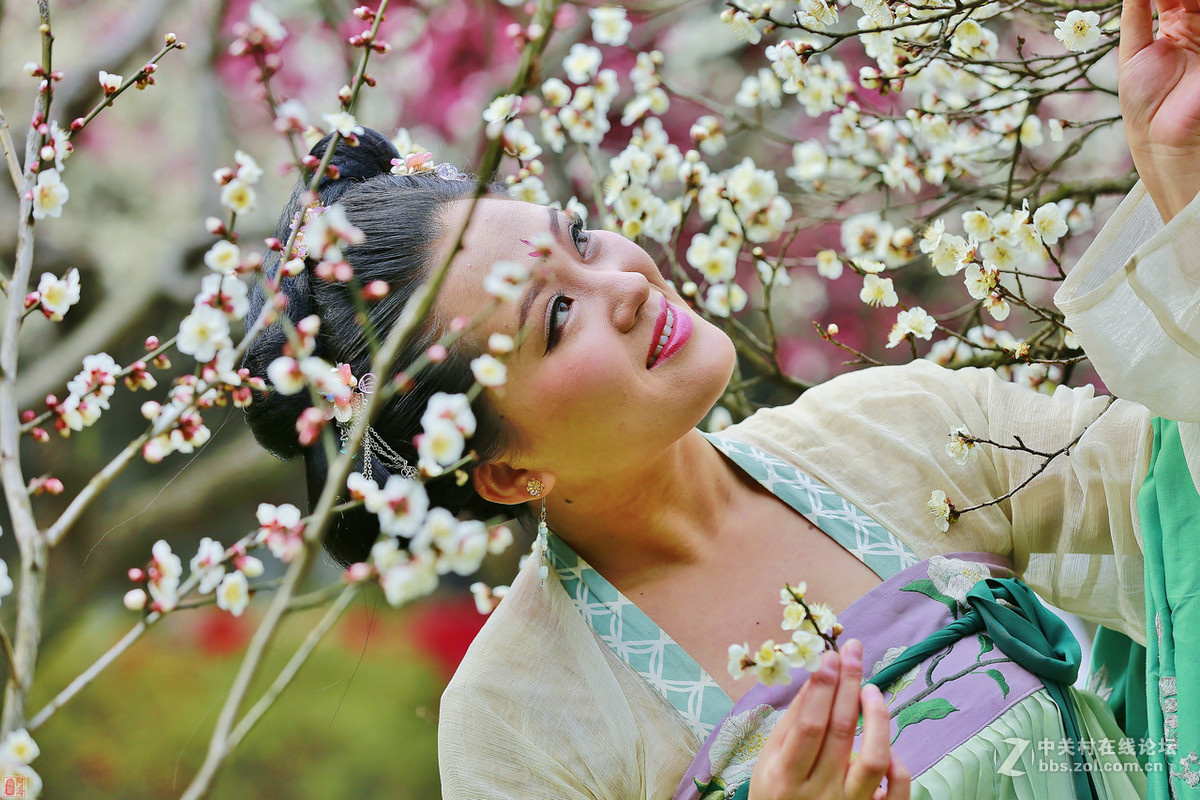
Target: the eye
pixel 560 305
pixel 578 235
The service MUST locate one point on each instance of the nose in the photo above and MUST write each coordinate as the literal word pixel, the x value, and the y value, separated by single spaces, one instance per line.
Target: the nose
pixel 628 292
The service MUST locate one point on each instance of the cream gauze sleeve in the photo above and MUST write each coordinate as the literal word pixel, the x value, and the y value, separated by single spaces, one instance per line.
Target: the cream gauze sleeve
pixel 1134 302
pixel 878 437
pixel 542 709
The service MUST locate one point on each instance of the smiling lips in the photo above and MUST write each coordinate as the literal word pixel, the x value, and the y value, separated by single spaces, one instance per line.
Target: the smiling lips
pixel 672 329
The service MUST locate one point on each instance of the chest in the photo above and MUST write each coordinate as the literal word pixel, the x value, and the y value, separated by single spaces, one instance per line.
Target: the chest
pixel 733 597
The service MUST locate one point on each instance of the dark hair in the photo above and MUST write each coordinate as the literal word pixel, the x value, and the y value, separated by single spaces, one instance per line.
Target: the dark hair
pixel 402 217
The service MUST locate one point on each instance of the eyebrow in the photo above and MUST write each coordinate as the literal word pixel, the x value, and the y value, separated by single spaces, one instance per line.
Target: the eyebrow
pixel 536 286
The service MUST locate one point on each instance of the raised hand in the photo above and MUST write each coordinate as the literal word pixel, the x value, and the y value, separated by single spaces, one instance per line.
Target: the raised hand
pixel 807 755
pixel 1160 97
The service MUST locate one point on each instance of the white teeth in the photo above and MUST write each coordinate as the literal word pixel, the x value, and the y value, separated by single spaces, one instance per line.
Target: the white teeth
pixel 666 334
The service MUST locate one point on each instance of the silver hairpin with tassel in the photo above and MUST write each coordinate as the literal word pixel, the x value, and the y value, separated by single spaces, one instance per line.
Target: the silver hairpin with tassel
pixel 373 445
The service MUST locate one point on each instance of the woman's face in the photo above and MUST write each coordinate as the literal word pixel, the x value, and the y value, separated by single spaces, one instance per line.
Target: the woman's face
pixel 589 389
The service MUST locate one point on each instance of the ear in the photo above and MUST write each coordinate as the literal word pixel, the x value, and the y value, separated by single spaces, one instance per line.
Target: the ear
pixel 508 485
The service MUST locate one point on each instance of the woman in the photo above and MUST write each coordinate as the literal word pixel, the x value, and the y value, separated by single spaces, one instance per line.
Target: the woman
pixel 607 680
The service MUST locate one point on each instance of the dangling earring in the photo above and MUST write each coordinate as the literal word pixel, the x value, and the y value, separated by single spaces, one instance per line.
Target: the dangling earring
pixel 540 545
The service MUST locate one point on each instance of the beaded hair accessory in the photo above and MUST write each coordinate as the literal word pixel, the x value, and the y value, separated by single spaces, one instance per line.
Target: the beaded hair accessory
pixel 373 445
pixel 417 163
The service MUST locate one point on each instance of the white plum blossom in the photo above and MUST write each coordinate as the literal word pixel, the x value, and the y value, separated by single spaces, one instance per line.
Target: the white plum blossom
pixel 110 82
pixel 165 570
pixel 829 265
pixel 225 293
pixel 1080 31
pixel 18 748
pixel 403 576
pixel 499 112
pixel 717 264
pixel 556 93
pixel 50 194
pixel 505 280
pixel 440 442
pixel 723 299
pixel 238 196
pixel 977 225
pixel 489 370
pixel 464 551
pixel 581 63
pixel 530 189
pixel 202 333
pixel 343 122
pixel 741 26
pixel 224 256
pixel 57 295
pixel 400 505
pixel 1050 223
pixel 952 254
pixel 285 375
pixel 878 291
pixel 6 584
pixel 914 321
pixel 941 509
pixel 207 564
pixel 609 25
pixel 248 169
pixel 810 161
pixel 959 447
pixel 500 343
pixel 980 282
pixel 452 408
pixel 233 595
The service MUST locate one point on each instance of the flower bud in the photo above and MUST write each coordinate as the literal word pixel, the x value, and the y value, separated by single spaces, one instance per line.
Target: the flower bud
pixel 136 574
pixel 357 573
pixel 53 486
pixel 249 566
pixel 375 290
pixel 832 329
pixel 135 599
pixel 436 353
pixel 51 401
pixel 40 435
pixel 151 343
pixel 214 226
pixel 169 39
pixel 28 415
pixel 151 409
pixel 47 153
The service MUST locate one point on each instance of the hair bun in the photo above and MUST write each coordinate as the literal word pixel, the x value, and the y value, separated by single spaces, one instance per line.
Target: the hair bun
pixel 373 156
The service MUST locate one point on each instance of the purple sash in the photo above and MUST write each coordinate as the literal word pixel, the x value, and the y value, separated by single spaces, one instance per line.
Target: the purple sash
pixel 934 708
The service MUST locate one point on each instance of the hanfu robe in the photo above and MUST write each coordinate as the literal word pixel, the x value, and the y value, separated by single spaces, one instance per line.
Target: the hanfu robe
pixel 1134 303
pixel 571 691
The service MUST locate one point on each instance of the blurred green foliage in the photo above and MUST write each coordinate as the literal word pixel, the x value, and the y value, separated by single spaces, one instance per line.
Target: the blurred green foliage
pixel 358 721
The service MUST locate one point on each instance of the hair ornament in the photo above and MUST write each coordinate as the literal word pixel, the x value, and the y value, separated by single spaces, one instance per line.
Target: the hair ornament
pixel 418 163
pixel 300 247
pixel 373 445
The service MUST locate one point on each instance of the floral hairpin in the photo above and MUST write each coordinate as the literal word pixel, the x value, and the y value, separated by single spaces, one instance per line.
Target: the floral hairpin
pixel 373 445
pixel 300 247
pixel 417 163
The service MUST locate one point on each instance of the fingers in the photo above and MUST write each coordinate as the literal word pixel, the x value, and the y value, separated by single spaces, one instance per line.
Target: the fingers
pixel 1137 27
pixel 835 754
pixel 805 723
pixel 875 758
pixel 899 781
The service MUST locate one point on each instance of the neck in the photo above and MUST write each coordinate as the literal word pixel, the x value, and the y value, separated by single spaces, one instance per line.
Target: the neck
pixel 643 520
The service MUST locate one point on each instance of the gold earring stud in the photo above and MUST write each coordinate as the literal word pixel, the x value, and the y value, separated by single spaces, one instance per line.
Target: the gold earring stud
pixel 535 487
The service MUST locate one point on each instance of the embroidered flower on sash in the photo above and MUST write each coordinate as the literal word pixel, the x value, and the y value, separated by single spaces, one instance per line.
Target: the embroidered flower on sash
pixel 954 577
pixel 905 680
pixel 739 742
